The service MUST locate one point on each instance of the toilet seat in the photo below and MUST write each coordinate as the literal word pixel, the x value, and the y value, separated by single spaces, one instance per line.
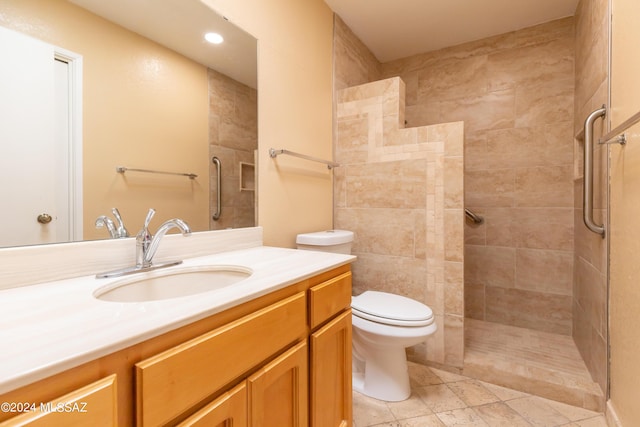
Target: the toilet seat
pixel 391 309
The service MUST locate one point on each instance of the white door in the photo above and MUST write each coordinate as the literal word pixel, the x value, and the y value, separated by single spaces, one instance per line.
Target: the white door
pixel 32 166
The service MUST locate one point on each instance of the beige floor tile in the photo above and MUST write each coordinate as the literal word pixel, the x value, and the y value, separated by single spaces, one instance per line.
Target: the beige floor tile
pixel 448 377
pixel 391 424
pixel 425 421
pixel 466 417
pixel 473 393
pixel 463 401
pixel 573 413
pixel 537 412
pixel 598 421
pixel 503 393
pixel 500 415
pixel 369 412
pixel 440 398
pixel 413 407
pixel 422 375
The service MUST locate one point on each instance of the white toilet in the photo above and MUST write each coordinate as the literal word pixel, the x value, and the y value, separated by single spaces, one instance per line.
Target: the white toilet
pixel 384 325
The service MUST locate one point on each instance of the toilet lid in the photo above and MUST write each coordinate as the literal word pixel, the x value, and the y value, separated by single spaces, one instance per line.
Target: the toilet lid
pixel 391 309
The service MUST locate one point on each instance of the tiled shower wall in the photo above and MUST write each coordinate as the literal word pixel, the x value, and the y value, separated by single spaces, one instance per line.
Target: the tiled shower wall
pixel 353 62
pixel 514 93
pixel 590 273
pixel 233 138
pixel 401 192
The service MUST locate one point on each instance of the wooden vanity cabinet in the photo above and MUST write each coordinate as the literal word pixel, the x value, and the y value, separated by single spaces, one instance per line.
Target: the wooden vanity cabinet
pixel 92 405
pixel 172 382
pixel 276 395
pixel 319 371
pixel 330 353
pixel 283 359
pixel 230 409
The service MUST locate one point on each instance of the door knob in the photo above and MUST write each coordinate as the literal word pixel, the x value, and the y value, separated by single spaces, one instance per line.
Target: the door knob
pixel 44 218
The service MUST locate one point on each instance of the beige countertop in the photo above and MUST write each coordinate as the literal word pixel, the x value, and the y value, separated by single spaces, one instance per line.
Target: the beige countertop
pixel 51 327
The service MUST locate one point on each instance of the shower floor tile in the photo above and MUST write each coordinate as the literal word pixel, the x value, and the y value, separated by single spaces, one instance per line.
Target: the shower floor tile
pixel 442 399
pixel 540 363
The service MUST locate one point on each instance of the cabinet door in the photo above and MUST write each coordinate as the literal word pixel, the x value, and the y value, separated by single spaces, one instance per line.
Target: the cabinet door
pixel 93 405
pixel 230 409
pixel 330 389
pixel 278 393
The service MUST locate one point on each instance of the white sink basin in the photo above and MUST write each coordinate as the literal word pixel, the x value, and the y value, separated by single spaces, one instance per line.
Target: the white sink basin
pixel 172 283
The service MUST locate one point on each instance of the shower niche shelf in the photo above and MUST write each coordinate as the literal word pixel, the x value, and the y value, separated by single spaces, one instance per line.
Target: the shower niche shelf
pixel 247 177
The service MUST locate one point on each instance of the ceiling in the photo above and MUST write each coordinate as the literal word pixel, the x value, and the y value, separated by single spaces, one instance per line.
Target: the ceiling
pixel 394 29
pixel 180 25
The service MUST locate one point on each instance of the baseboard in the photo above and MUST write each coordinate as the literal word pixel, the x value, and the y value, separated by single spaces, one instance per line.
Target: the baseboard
pixel 611 416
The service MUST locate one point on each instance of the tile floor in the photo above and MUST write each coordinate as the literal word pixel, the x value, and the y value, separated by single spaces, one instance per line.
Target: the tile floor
pixel 443 399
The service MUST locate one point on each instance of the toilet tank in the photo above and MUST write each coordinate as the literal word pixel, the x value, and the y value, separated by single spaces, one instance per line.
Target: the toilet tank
pixel 336 241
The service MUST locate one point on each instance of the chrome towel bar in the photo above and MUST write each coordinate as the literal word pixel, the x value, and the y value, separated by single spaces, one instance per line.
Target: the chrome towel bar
pixel 587 202
pixel 123 169
pixel 614 136
pixel 275 153
pixel 477 219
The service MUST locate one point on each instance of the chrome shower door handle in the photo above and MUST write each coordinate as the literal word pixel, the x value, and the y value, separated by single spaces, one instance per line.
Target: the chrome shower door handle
pixel 587 200
pixel 218 212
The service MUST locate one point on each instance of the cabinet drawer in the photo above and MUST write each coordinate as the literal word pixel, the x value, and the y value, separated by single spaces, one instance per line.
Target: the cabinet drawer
pixel 173 381
pixel 329 298
pixel 92 405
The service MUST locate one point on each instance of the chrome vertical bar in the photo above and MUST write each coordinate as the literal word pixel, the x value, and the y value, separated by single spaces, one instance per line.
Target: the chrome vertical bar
pixel 218 212
pixel 587 202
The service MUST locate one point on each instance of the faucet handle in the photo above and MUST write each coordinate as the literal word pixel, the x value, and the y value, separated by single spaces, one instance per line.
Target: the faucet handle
pixel 122 231
pixel 148 218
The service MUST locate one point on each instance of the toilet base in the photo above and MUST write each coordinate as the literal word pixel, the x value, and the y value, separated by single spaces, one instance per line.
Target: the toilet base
pixel 385 376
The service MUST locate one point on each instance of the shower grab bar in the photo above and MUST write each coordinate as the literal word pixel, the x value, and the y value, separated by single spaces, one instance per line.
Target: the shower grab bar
pixel 477 219
pixel 275 153
pixel 614 136
pixel 218 212
pixel 123 169
pixel 587 202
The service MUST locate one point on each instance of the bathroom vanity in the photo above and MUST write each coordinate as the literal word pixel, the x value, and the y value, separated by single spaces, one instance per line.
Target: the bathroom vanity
pixel 271 350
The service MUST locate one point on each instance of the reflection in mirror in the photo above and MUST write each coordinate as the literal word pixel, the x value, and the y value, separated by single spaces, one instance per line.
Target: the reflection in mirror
pixel 153 95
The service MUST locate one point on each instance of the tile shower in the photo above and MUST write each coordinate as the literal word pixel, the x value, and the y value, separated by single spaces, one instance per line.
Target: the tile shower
pixel 401 192
pixel 531 272
pixel 233 138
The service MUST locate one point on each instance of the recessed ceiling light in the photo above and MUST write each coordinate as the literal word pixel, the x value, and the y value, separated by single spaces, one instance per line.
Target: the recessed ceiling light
pixel 214 38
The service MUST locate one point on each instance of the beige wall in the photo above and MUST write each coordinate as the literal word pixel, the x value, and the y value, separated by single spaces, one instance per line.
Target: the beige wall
pixel 400 190
pixel 294 110
pixel 152 115
pixel 590 250
pixel 625 205
pixel 514 93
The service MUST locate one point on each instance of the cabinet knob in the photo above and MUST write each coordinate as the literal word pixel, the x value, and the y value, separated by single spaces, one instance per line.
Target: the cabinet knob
pixel 44 218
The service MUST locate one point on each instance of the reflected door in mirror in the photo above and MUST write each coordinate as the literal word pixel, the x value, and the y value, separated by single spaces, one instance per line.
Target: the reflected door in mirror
pixel 35 161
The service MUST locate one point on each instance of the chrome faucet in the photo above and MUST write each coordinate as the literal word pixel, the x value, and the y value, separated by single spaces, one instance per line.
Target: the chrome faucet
pixel 147 245
pixel 116 232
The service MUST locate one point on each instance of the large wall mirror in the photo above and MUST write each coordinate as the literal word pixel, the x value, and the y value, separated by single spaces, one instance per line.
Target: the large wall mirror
pixel 130 84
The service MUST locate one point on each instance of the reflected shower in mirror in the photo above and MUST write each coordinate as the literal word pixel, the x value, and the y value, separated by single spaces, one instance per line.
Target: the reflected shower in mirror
pixel 144 90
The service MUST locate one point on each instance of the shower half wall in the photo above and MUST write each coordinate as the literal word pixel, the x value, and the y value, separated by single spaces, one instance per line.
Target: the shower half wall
pixel 401 192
